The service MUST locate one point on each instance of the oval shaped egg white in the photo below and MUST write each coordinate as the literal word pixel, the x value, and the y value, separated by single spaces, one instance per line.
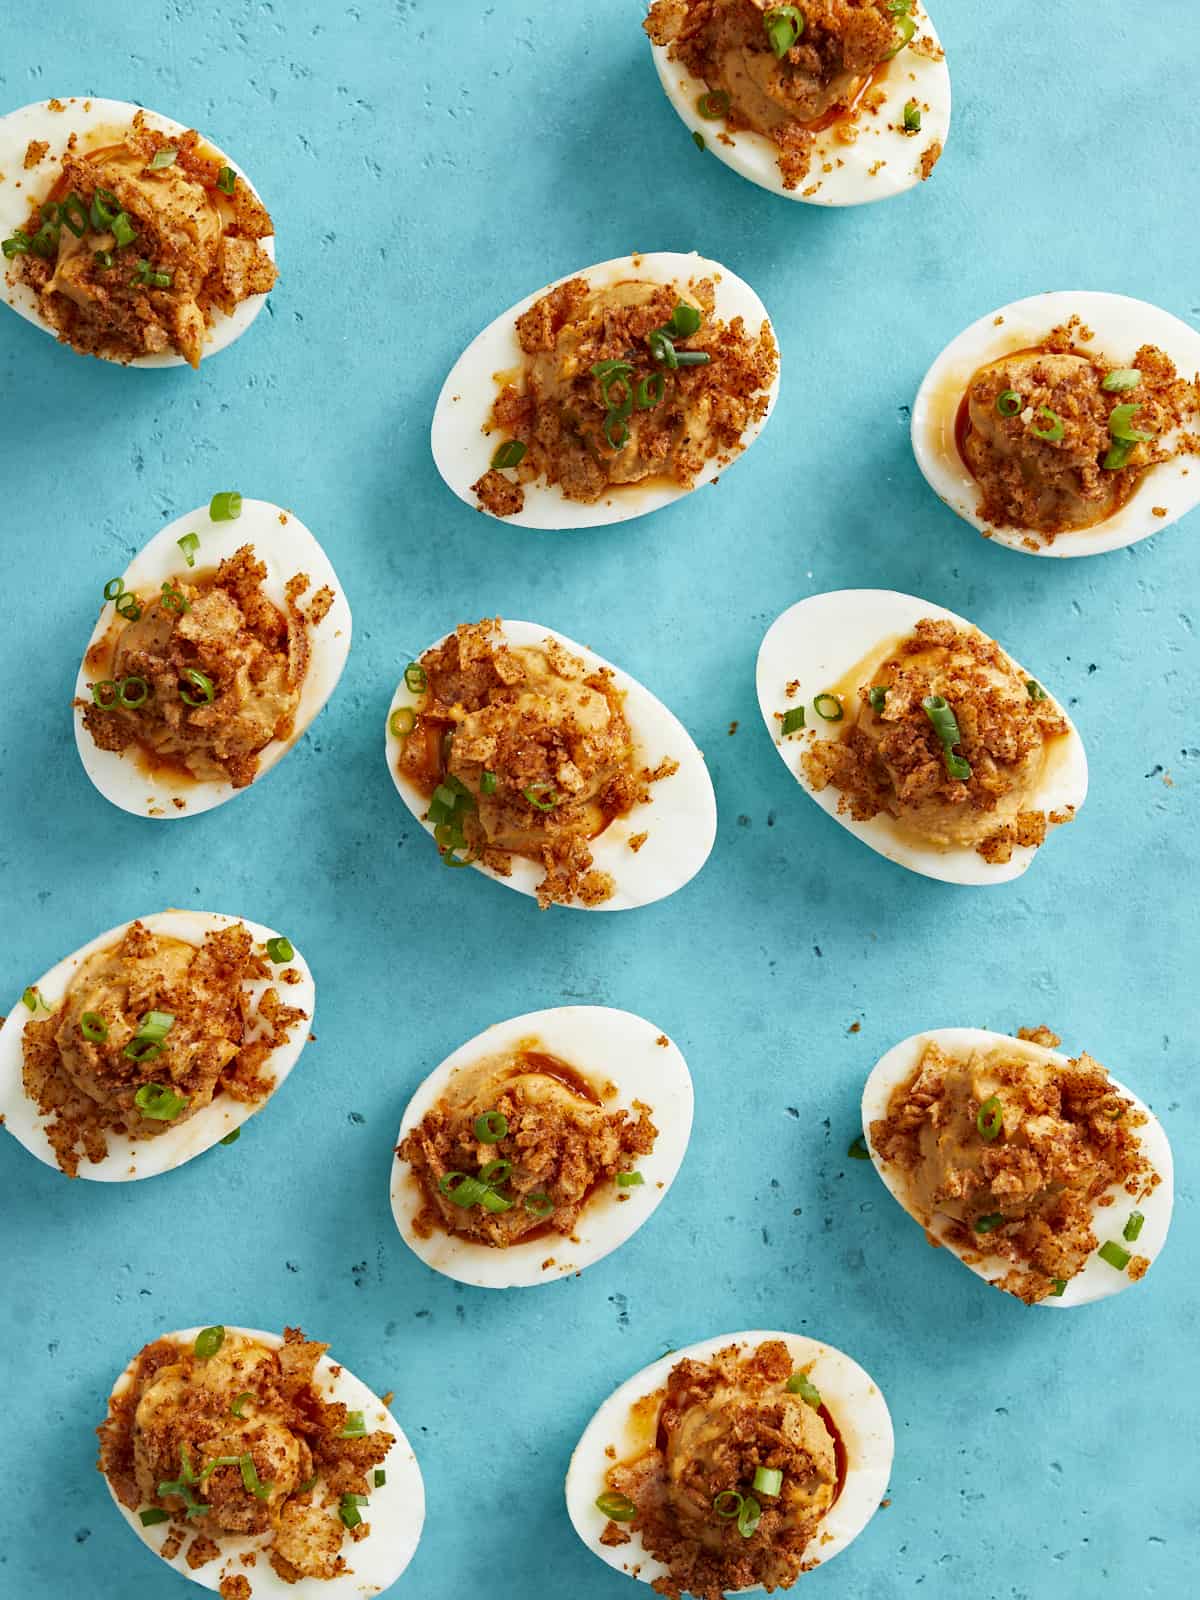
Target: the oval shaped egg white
pixel 918 73
pixel 850 1394
pixel 396 1511
pixel 816 642
pixel 1120 326
pixel 285 546
pixel 1097 1280
pixel 463 450
pixel 94 121
pixel 129 1159
pixel 681 818
pixel 601 1043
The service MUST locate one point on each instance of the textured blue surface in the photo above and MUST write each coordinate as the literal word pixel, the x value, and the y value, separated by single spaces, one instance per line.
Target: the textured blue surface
pixel 427 164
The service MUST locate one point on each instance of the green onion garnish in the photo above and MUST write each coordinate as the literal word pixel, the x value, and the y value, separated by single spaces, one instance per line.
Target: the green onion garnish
pixel 105 693
pixel 189 544
pixel 201 682
pixel 75 214
pixel 123 231
pixel 1009 403
pixel 800 1384
pixel 989 1119
pixel 104 209
pixel 945 725
pixel 402 721
pixel 828 706
pixel 348 1509
pixel 491 1127
pixel 990 1223
pixel 510 454
pixel 692 358
pixel 615 430
pixel 793 721
pixel 650 391
pixel 163 158
pixel 209 1341
pixel 1060 1285
pixel 698 140
pixel 280 949
pixel 496 1172
pixel 768 1480
pixel 147 276
pixel 488 782
pixel 461 1189
pixel 93 1026
pixel 685 321
pixel 1111 1252
pixel 155 1025
pixel 355 1426
pixel 1034 689
pixel 491 1201
pixel 114 588
pixel 713 104
pixel 727 1504
pixel 629 1180
pixel 617 1507
pixel 858 1149
pixel 103 258
pixel 174 600
pixel 1120 425
pixel 231 1138
pixel 1055 429
pixel 127 606
pixel 877 697
pixel 209 1467
pixel 17 244
pixel 415 680
pixel 749 1516
pixel 156 1100
pixel 33 999
pixel 225 507
pixel 236 1409
pixel 133 692
pixel 912 117
pixel 1117 457
pixel 250 1478
pixel 1133 1227
pixel 380 1477
pixel 153 1515
pixel 784 25
pixel 661 348
pixel 1120 379
pixel 907 28
pixel 226 179
pixel 539 1205
pixel 542 796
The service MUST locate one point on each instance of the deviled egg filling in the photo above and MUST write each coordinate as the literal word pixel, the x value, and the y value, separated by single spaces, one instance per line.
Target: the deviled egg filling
pixel 228 1437
pixel 1059 437
pixel 621 384
pixel 202 677
pixel 522 750
pixel 788 72
pixel 134 246
pixel 745 1463
pixel 1018 1153
pixel 148 1033
pixel 943 734
pixel 518 1145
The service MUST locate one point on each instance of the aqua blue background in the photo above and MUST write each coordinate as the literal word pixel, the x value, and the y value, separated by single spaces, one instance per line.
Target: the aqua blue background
pixel 428 164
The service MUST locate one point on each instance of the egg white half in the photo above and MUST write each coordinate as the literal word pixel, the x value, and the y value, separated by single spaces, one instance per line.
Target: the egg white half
pixel 817 641
pixel 680 818
pixel 853 1399
pixel 1098 1279
pixel 285 546
pixel 601 1043
pixel 463 451
pixel 127 1158
pixel 396 1511
pixel 879 138
pixel 1119 325
pixel 94 121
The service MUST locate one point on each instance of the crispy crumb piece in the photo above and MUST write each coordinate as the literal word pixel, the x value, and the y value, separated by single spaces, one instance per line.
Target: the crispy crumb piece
pixel 637 840
pixel 35 151
pixel 1040 1035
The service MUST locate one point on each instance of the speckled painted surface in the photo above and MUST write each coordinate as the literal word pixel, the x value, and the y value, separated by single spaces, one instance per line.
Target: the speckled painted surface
pixel 427 165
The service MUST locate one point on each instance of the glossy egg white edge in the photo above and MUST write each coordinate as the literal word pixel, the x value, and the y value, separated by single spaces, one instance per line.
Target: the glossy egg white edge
pixel 851 1395
pixel 286 547
pixel 463 450
pixel 396 1511
pixel 92 120
pixel 601 1043
pixel 817 641
pixel 680 817
pixel 1119 325
pixel 880 137
pixel 1098 1279
pixel 127 1158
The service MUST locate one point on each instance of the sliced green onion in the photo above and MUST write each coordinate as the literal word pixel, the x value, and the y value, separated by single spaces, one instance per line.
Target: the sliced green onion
pixel 661 348
pixel 143 1050
pixel 415 680
pixel 156 1100
pixel 989 1119
pixel 380 1477
pixel 614 367
pixel 1133 1227
pixel 225 507
pixel 487 783
pixel 280 949
pixel 907 28
pixel 650 391
pixel 912 117
pixel 1034 689
pixel 231 1138
pixel 250 1478
pixel 174 600
pixel 189 544
pixel 153 1515
pixel 402 721
pixel 698 140
pixel 858 1149
pixel 133 692
pixel 629 1180
pixel 114 588
pixel 1120 425
pixel 828 706
pixel 692 358
pixel 990 1223
pixel 103 258
pixel 104 209
pixel 615 430
pixel 685 321
pixel 105 693
pixel 165 157
pixel 617 1507
pixel 308 1484
pixel 461 1189
pixel 17 244
pixel 237 1409
pixel 155 1025
pixel 123 231
pixel 491 1201
pixel 784 25
pixel 45 241
pixel 202 683
pixel 1120 379
pixel 93 1026
pixel 510 454
pixel 496 1172
pixel 768 1480
pixel 713 104
pixel 1059 1288
pixel 877 697
pixel 33 999
pixel 1010 403
pixel 945 725
pixel 226 179
pixel 534 794
pixel 1117 457
pixel 539 1205
pixel 209 1341
pixel 127 606
pixel 1111 1252
pixel 749 1516
pixel 800 1383
pixel 1054 432
pixel 793 721
pixel 355 1426
pixel 209 1467
pixel 727 1504
pixel 74 213
pixel 348 1509
pixel 491 1127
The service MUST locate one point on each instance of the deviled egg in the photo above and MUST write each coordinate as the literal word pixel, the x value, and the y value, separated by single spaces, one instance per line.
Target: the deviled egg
pixel 214 650
pixel 152 1043
pixel 539 763
pixel 127 236
pixel 608 394
pixel 832 103
pixel 254 1465
pixel 1043 1174
pixel 1066 424
pixel 919 734
pixel 541 1145
pixel 735 1464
